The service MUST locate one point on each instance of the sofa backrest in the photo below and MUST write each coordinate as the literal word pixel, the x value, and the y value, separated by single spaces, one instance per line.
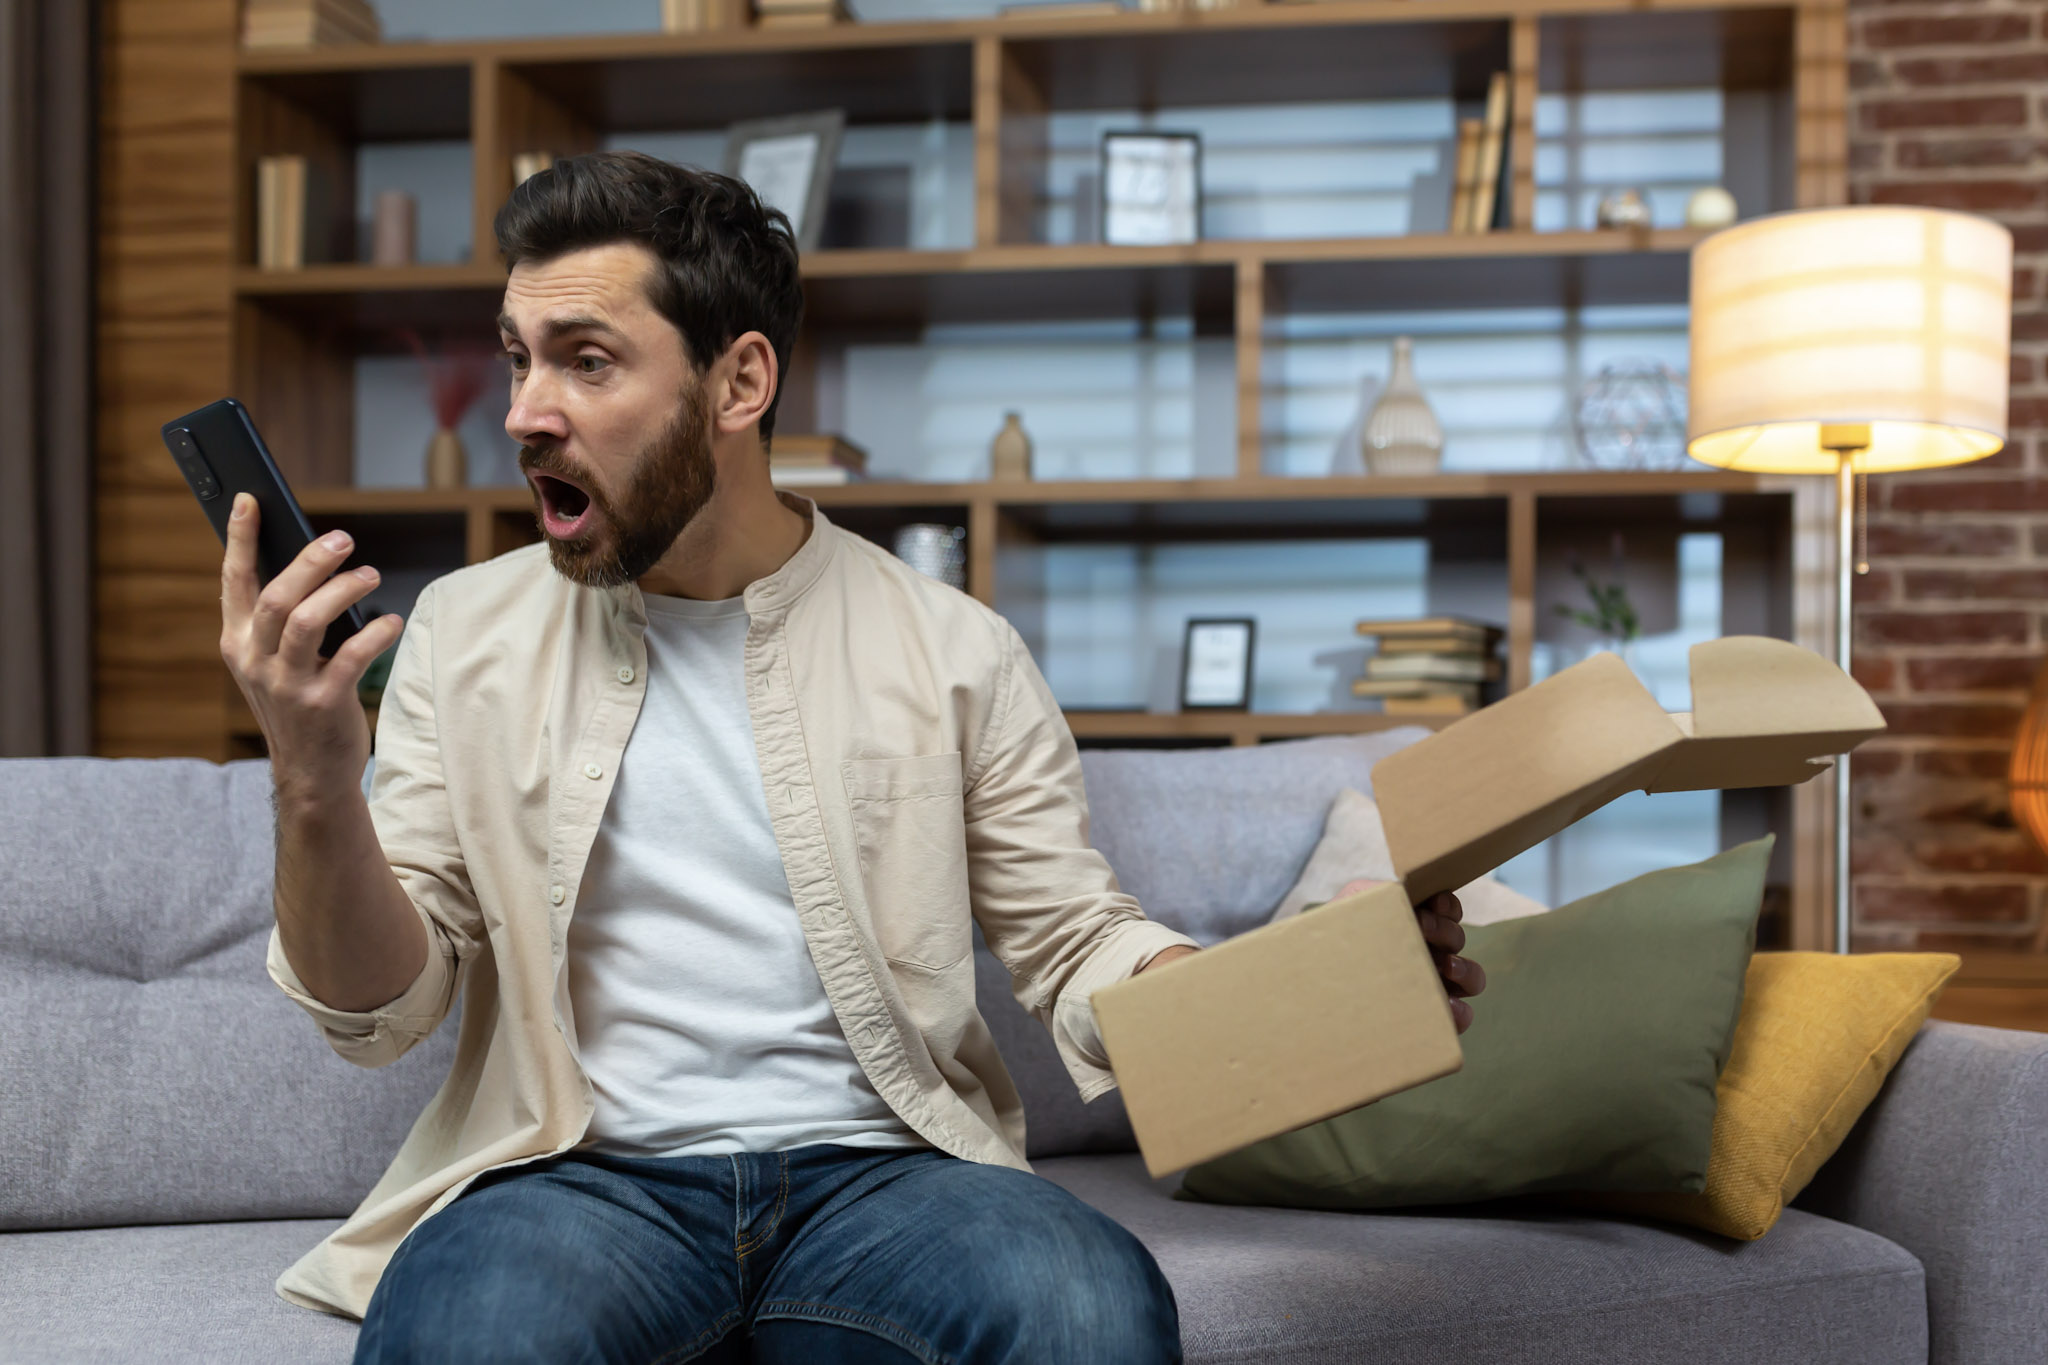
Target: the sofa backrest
pixel 151 1072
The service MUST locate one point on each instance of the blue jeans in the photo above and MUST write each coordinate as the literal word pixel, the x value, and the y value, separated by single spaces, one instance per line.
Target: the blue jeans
pixel 819 1254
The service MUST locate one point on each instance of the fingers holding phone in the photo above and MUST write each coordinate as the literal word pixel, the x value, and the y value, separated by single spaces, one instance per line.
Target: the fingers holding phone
pixel 270 640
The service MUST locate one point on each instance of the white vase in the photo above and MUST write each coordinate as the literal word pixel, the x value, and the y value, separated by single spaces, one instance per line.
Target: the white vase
pixel 1402 436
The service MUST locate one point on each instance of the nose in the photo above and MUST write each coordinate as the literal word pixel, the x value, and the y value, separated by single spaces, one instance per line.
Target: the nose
pixel 536 409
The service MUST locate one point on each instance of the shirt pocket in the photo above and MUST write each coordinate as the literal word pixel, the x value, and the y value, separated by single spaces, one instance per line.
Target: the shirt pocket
pixel 911 833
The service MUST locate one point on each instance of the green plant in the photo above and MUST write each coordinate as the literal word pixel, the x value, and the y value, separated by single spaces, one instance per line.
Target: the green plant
pixel 1613 615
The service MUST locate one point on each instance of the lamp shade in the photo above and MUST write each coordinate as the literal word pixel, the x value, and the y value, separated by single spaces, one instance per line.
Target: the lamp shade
pixel 1893 316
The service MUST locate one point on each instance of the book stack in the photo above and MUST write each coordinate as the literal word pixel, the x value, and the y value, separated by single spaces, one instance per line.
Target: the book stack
pixel 1434 666
pixel 308 23
pixel 1476 200
pixel 294 217
pixel 692 16
pixel 798 13
pixel 808 461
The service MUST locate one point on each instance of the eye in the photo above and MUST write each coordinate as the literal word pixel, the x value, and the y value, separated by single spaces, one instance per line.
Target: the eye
pixel 516 361
pixel 590 364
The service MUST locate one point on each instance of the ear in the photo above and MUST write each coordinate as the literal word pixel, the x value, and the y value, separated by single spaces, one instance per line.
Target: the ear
pixel 748 378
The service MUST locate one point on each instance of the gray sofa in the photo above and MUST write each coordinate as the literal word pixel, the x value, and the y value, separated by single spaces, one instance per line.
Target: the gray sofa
pixel 173 1132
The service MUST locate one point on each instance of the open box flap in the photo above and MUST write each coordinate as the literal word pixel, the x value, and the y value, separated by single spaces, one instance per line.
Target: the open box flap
pixel 1460 803
pixel 1505 778
pixel 1766 713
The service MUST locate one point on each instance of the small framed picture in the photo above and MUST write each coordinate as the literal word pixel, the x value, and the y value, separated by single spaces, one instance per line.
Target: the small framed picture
pixel 1151 188
pixel 1216 664
pixel 789 163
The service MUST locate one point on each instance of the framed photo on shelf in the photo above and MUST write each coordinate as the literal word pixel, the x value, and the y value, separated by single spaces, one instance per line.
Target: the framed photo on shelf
pixel 789 163
pixel 1216 664
pixel 1151 188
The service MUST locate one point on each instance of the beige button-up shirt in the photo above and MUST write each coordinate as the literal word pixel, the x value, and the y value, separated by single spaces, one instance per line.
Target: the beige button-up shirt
pixel 919 776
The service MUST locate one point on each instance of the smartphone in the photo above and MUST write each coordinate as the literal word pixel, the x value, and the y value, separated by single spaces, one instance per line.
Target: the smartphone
pixel 220 453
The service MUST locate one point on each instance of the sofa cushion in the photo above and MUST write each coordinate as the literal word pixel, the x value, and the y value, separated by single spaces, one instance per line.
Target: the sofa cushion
pixel 153 1073
pixel 1252 1285
pixel 1591 1063
pixel 1354 848
pixel 184 1294
pixel 1210 840
pixel 1301 1286
pixel 1819 1033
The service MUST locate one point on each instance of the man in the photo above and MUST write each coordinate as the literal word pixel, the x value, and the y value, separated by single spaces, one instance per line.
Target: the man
pixel 696 803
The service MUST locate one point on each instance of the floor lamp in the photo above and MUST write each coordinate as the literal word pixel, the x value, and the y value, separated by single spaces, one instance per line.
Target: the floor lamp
pixel 1846 342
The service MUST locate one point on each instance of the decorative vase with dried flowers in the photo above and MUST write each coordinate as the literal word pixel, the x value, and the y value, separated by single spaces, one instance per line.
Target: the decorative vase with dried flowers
pixel 456 378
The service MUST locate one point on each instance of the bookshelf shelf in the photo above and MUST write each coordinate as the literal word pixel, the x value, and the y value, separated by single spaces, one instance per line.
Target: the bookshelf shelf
pixel 1309 491
pixel 871 289
pixel 1235 727
pixel 1033 258
pixel 1022 27
pixel 1092 727
pixel 349 277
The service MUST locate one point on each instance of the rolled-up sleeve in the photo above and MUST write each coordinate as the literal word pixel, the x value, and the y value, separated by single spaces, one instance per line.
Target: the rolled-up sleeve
pixel 410 811
pixel 1047 901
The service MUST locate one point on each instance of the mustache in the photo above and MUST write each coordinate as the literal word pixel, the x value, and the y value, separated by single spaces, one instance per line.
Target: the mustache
pixel 546 457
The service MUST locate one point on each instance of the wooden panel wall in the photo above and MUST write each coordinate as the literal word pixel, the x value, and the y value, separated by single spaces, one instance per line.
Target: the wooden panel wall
pixel 162 332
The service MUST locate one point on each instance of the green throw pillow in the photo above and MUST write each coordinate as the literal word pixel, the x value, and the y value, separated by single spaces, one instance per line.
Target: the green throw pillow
pixel 1590 1064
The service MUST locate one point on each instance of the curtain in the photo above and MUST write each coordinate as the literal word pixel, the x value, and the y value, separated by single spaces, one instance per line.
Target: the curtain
pixel 46 249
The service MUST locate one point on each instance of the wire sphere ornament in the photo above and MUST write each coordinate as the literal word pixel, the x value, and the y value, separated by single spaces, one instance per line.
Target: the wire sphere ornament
pixel 1631 415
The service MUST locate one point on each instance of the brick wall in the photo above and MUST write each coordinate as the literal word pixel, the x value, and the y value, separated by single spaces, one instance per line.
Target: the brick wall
pixel 1948 106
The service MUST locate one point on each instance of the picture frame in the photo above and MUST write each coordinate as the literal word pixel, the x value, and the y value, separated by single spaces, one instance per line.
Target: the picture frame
pixel 1216 663
pixel 1151 188
pixel 789 163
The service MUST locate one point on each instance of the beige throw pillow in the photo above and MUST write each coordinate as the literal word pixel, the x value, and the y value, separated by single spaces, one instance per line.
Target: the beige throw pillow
pixel 1354 845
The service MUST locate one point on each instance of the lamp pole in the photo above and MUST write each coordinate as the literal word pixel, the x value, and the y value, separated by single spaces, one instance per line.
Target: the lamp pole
pixel 1847 440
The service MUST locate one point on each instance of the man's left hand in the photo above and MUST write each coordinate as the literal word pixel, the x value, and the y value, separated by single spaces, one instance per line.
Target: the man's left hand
pixel 1439 917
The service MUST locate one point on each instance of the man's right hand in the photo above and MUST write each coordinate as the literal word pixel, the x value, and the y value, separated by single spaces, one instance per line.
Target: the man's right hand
pixel 270 640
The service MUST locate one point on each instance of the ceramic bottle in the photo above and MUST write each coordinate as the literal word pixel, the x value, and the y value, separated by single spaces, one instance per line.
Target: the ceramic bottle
pixel 1402 435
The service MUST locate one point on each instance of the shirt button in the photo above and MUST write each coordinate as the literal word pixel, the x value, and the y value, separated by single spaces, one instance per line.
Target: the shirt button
pixel 556 894
pixel 592 771
pixel 625 675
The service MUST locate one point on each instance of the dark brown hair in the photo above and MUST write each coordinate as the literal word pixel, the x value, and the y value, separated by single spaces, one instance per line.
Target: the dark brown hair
pixel 728 261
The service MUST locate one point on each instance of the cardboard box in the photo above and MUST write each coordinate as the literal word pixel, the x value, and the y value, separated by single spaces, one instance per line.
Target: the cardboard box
pixel 1331 1010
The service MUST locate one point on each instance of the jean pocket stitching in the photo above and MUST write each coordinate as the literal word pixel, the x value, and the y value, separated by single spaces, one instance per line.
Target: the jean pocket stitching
pixel 702 1342
pixel 854 1317
pixel 754 1243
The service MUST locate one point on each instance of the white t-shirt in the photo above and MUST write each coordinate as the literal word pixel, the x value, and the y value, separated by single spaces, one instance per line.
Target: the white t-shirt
pixel 699 1016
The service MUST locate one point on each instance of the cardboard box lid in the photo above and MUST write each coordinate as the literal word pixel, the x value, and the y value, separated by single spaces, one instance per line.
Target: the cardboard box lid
pixel 1460 803
pixel 1327 1011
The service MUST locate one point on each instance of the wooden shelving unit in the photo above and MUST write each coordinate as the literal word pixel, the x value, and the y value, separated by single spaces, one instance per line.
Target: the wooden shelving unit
pixel 295 336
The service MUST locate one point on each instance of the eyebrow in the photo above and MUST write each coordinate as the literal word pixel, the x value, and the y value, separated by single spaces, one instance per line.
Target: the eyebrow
pixel 557 327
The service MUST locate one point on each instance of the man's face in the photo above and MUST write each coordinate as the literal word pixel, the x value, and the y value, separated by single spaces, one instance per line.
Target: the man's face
pixel 613 425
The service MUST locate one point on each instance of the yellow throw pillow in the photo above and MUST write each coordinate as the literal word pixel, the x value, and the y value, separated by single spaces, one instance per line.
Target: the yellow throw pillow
pixel 1817 1035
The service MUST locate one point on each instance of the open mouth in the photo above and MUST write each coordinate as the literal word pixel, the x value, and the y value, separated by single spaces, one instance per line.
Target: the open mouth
pixel 565 508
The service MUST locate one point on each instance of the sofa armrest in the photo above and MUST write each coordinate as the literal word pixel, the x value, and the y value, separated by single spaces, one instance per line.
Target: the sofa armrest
pixel 1951 1163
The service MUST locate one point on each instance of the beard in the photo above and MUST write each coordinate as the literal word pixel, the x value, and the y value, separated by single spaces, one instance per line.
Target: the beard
pixel 670 482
